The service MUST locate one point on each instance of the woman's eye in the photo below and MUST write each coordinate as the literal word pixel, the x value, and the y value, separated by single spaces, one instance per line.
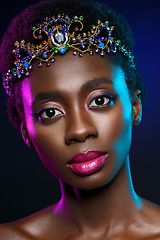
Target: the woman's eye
pixel 99 101
pixel 50 113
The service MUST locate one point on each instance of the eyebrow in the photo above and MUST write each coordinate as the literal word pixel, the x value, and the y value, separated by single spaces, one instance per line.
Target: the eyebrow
pixel 55 95
pixel 52 96
pixel 95 83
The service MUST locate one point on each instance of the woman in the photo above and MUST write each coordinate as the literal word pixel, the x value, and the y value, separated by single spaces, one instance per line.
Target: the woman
pixel 75 93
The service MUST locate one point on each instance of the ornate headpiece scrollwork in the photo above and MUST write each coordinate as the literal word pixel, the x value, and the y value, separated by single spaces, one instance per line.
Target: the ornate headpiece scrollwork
pixel 56 35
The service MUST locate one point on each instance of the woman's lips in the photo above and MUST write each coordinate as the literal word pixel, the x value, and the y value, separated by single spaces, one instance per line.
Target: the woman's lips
pixel 88 162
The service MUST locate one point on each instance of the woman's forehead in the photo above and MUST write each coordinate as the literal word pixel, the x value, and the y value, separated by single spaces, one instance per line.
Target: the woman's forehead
pixel 70 73
pixel 68 67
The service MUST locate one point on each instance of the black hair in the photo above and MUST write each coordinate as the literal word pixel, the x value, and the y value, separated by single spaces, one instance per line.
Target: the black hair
pixel 20 28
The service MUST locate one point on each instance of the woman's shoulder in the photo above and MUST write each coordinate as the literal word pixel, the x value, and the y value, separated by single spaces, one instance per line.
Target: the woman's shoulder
pixel 151 209
pixel 148 221
pixel 28 228
pixel 9 231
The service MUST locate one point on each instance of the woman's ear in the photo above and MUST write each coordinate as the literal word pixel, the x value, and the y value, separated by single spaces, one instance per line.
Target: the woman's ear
pixel 137 108
pixel 26 137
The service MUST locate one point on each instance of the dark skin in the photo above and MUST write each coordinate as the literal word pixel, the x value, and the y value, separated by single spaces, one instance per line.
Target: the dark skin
pixel 102 205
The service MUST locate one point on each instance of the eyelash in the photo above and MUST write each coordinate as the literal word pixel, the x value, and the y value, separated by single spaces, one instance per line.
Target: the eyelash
pixel 40 113
pixel 110 99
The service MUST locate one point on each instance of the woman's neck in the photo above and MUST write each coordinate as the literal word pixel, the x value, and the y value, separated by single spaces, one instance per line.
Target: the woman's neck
pixel 104 207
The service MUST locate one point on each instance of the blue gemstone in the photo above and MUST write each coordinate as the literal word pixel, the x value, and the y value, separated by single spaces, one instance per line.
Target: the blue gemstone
pixel 62 50
pixel 83 46
pixel 26 64
pixel 101 45
pixel 45 56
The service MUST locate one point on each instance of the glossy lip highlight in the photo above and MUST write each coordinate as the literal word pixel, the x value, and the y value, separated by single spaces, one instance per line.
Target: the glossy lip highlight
pixel 86 156
pixel 88 162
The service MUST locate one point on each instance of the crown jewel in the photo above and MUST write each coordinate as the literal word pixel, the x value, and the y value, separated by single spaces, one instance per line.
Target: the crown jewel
pixel 56 35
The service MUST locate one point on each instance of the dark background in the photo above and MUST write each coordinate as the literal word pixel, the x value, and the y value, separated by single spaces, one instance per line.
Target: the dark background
pixel 25 185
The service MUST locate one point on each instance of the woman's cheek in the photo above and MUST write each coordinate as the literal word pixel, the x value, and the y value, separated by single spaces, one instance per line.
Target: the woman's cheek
pixel 48 151
pixel 48 140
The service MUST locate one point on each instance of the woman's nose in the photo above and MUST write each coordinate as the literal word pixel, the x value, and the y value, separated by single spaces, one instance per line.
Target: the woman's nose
pixel 80 128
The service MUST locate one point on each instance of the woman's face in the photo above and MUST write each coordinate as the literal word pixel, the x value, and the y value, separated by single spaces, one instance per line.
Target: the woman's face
pixel 77 105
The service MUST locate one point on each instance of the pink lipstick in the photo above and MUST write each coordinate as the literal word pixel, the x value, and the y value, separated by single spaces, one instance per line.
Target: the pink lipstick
pixel 88 162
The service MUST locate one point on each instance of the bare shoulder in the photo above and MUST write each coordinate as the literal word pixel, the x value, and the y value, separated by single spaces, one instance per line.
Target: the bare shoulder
pixel 11 231
pixel 152 210
pixel 148 221
pixel 29 228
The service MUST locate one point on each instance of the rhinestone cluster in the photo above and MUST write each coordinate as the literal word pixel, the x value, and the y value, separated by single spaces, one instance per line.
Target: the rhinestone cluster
pixel 57 35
